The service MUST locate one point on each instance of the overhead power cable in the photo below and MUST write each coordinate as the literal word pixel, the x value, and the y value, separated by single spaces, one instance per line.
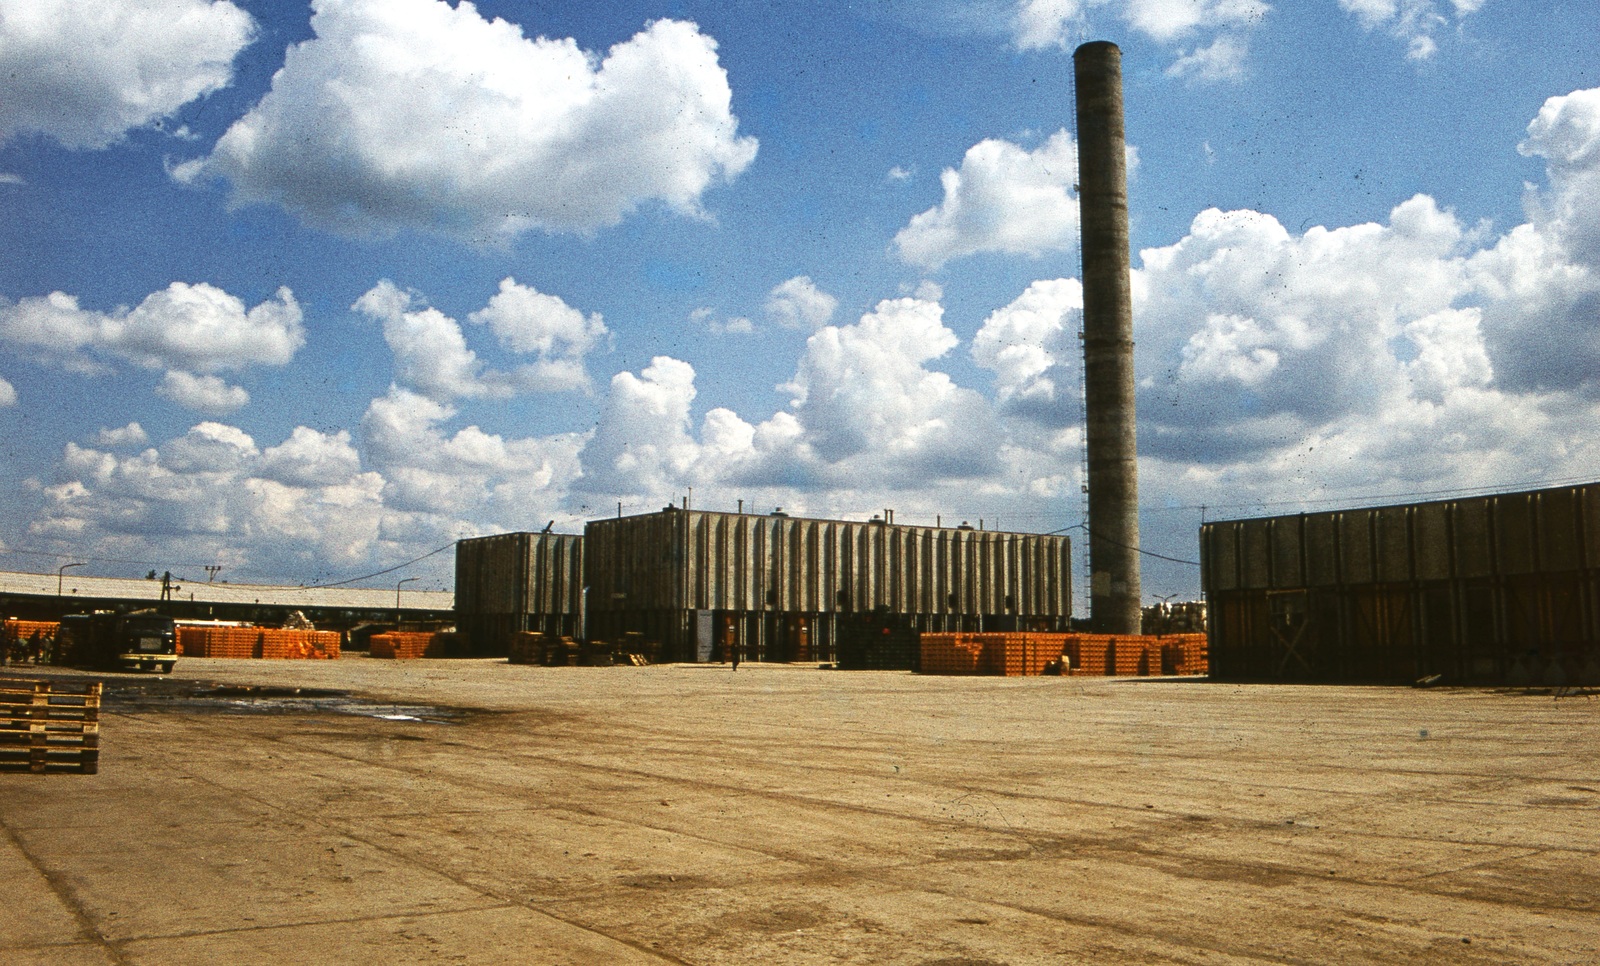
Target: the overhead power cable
pixel 402 566
pixel 1139 550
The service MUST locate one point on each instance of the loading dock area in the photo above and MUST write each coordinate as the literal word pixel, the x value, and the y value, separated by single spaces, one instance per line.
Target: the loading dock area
pixel 500 813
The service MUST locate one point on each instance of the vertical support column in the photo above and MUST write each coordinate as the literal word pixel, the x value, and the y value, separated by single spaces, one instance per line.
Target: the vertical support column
pixel 1111 443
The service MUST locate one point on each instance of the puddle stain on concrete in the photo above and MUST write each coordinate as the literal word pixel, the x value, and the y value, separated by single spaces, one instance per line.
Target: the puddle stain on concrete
pixel 205 697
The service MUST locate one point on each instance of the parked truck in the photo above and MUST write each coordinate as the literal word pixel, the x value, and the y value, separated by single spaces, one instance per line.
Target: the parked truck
pixel 141 641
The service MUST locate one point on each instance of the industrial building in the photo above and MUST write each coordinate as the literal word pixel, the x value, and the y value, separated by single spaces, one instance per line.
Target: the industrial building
pixel 776 587
pixel 513 582
pixel 48 596
pixel 1501 589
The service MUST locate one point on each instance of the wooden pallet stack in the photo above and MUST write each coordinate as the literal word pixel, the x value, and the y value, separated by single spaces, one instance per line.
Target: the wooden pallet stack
pixel 49 726
pixel 527 647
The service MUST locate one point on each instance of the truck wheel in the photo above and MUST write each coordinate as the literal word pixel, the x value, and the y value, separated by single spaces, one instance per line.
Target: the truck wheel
pixel 166 668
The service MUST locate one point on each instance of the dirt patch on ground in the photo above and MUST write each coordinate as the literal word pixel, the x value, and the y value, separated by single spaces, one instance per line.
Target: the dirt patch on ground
pixel 366 811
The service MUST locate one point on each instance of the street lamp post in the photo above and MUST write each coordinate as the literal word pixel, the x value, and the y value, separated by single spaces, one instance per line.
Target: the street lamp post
pixel 397 587
pixel 61 575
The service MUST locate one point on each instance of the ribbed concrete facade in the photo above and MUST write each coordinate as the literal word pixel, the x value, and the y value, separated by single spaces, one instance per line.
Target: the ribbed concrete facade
pixel 780 586
pixel 777 587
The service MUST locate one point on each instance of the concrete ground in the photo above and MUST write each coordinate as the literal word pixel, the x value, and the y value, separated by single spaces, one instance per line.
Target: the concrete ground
pixel 781 814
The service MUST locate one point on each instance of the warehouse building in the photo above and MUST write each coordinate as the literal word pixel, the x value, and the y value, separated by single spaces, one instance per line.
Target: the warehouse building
pixel 46 597
pixel 1500 589
pixel 777 588
pixel 515 582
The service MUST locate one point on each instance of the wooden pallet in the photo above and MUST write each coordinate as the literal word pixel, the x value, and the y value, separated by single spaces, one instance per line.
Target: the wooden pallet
pixel 49 726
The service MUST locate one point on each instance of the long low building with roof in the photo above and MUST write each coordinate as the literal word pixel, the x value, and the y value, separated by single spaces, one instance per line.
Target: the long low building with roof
pixel 49 596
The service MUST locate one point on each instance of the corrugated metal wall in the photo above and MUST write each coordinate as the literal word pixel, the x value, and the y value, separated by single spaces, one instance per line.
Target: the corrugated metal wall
pixel 514 582
pixel 1499 589
pixel 651 573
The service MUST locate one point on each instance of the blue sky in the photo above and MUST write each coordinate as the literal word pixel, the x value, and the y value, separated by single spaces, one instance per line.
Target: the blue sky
pixel 311 291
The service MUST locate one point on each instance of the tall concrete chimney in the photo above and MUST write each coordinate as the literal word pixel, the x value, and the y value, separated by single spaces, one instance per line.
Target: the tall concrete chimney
pixel 1107 342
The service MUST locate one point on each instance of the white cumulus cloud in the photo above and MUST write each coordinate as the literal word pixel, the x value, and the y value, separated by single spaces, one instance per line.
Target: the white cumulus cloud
pixel 798 304
pixel 130 435
pixel 204 394
pixel 1416 22
pixel 431 354
pixel 643 443
pixel 1032 348
pixel 85 73
pixel 1003 198
pixel 1209 35
pixel 201 496
pixel 531 322
pixel 468 480
pixel 8 393
pixel 191 331
pixel 420 114
pixel 1541 280
pixel 1222 59
pixel 1247 330
pixel 866 412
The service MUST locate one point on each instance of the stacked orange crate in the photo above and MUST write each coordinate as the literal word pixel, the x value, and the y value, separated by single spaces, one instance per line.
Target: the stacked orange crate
pixel 299 645
pixel 991 654
pixel 219 641
pixel 21 630
pixel 966 654
pixel 233 642
pixel 1091 652
pixel 381 645
pixel 1195 654
pixel 1130 654
pixel 278 644
pixel 192 641
pixel 1003 654
pixel 405 645
pixel 951 653
pixel 1046 649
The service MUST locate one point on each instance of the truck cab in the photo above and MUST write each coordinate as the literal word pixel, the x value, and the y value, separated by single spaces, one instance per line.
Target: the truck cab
pixel 130 642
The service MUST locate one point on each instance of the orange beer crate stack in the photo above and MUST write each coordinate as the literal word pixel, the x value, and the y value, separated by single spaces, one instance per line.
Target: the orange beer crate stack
pixel 1131 657
pixel 1089 653
pixel 21 630
pixel 1189 653
pixel 258 642
pixel 1021 655
pixel 950 654
pixel 1007 654
pixel 22 640
pixel 405 645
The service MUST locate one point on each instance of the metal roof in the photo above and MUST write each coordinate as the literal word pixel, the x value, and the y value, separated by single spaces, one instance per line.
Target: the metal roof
pixel 122 588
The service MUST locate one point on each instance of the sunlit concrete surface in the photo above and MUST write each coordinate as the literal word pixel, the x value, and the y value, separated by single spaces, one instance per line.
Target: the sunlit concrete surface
pixel 782 814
